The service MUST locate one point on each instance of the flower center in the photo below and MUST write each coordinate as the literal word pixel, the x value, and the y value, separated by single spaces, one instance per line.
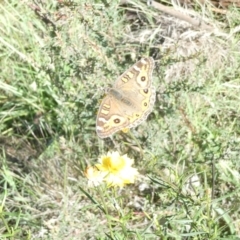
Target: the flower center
pixel 114 164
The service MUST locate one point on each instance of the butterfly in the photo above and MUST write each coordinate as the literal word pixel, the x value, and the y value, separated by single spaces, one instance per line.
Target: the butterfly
pixel 130 100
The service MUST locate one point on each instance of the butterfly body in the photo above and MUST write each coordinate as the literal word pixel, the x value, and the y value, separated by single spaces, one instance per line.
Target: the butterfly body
pixel 129 101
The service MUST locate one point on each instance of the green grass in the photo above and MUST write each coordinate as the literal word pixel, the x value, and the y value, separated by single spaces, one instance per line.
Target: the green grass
pixel 56 62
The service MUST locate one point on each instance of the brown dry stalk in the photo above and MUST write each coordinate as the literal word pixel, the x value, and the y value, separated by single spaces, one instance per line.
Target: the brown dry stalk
pixel 171 11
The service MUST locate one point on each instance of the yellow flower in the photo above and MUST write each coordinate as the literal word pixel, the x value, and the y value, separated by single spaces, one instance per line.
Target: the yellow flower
pixel 117 170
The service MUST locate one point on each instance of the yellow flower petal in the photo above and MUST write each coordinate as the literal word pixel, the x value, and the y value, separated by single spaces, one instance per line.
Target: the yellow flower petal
pixel 117 169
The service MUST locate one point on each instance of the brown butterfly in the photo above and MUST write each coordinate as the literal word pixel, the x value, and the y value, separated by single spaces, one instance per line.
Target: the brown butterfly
pixel 129 101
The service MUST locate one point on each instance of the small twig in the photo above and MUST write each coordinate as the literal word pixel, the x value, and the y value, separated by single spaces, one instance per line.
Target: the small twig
pixel 171 11
pixel 43 15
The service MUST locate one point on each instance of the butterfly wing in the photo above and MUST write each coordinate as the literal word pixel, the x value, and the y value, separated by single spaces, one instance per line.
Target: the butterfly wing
pixel 134 85
pixel 111 117
pixel 144 103
pixel 139 76
pixel 130 100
